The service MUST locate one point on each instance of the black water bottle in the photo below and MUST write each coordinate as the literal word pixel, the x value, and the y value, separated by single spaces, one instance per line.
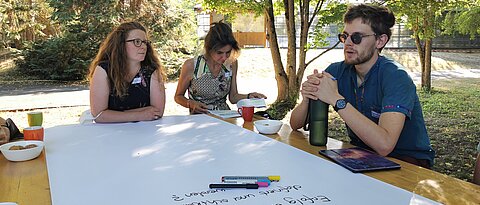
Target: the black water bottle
pixel 317 119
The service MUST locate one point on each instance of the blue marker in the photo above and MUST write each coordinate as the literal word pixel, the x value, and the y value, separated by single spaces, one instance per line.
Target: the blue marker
pixel 260 182
pixel 253 178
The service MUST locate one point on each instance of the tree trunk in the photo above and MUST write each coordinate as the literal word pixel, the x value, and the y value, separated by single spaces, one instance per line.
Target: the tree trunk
pixel 29 31
pixel 280 76
pixel 284 102
pixel 292 47
pixel 421 54
pixel 133 5
pixel 296 80
pixel 426 74
pixel 18 44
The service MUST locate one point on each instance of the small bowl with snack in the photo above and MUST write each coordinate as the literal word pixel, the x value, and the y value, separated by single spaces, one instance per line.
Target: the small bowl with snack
pixel 21 150
pixel 268 127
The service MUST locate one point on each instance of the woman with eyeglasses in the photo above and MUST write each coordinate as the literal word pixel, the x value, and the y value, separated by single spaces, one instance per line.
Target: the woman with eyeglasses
pixel 126 77
pixel 210 77
pixel 374 95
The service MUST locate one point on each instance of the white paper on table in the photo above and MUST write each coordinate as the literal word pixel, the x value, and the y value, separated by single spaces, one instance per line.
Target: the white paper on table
pixel 174 159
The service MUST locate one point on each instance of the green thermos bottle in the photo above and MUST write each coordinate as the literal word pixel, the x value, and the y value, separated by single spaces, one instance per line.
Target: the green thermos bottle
pixel 317 119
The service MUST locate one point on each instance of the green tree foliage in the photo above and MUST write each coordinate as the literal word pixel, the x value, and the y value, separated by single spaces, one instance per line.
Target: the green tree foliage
pixel 422 17
pixel 63 58
pixel 463 18
pixel 87 22
pixel 23 21
pixel 427 17
pixel 332 15
pixel 174 33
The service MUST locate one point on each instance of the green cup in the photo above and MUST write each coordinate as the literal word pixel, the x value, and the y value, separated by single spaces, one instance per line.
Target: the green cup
pixel 35 119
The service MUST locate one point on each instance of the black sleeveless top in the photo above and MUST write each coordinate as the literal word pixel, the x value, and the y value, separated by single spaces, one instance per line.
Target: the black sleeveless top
pixel 138 94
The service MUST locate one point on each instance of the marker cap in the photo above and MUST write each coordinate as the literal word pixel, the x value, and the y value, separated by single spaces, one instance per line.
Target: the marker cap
pixel 274 178
pixel 264 180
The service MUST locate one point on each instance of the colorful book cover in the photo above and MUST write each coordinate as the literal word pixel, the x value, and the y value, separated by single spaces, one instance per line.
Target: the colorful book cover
pixel 359 160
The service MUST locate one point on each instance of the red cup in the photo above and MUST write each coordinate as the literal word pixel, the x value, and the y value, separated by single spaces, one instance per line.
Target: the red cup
pixel 246 112
pixel 33 133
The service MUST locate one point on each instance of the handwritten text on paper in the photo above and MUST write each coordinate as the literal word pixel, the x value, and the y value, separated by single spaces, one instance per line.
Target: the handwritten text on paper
pixel 200 198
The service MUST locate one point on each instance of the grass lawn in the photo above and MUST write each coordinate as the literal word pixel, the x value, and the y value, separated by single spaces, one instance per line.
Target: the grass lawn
pixel 452 114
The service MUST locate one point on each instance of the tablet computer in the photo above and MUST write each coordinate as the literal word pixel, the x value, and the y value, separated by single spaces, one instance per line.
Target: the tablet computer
pixel 359 160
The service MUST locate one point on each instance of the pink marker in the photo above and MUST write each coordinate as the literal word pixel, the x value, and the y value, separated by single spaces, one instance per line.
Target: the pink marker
pixel 262 184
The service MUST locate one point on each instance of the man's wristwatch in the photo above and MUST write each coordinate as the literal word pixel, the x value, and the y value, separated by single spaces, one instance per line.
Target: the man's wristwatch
pixel 340 104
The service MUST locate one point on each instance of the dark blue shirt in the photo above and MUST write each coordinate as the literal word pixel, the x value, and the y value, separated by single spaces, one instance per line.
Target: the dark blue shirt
pixel 386 88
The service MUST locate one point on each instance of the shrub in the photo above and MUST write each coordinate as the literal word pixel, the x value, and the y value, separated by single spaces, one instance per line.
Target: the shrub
pixel 171 27
pixel 63 58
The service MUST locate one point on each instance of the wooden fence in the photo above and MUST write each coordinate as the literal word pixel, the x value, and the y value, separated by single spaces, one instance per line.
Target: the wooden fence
pixel 250 39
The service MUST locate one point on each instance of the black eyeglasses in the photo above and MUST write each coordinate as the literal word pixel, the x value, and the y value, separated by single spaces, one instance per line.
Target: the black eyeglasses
pixel 355 37
pixel 138 42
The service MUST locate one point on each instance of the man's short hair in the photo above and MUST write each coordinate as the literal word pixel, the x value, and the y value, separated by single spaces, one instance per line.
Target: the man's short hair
pixel 380 19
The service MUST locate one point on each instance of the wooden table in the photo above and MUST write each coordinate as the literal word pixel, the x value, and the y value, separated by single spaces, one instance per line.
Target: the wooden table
pixel 27 182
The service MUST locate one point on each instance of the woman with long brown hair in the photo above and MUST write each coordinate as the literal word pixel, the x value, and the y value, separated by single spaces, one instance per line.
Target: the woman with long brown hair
pixel 211 77
pixel 126 77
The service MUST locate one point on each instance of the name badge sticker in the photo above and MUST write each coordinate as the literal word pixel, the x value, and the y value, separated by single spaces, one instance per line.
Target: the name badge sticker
pixel 137 80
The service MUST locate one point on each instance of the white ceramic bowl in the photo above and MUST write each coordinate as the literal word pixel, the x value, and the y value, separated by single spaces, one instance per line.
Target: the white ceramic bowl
pixel 268 126
pixel 24 154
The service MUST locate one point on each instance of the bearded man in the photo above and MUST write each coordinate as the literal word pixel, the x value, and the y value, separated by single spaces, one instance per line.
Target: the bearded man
pixel 374 95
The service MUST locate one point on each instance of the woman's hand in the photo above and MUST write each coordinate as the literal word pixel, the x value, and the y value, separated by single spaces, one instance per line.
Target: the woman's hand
pixel 256 95
pixel 150 113
pixel 197 107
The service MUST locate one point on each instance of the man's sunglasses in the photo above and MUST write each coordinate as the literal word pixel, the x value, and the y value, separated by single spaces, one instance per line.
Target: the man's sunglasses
pixel 138 42
pixel 355 37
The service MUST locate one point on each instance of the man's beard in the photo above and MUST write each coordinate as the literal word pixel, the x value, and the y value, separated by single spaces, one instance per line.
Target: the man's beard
pixel 361 58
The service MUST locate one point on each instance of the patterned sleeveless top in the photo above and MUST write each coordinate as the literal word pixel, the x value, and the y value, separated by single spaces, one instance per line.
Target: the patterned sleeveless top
pixel 208 89
pixel 138 94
